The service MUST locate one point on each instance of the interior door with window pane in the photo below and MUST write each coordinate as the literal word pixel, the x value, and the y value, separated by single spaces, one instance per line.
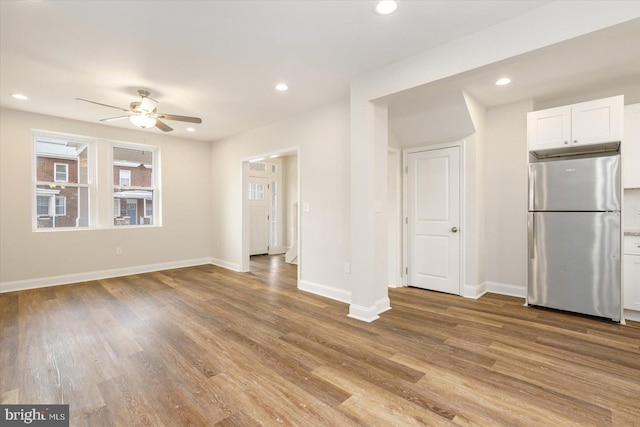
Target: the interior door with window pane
pixel 258 216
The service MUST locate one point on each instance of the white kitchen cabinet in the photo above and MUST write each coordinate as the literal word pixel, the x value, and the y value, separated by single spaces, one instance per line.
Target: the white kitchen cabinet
pixel 572 127
pixel 631 147
pixel 632 273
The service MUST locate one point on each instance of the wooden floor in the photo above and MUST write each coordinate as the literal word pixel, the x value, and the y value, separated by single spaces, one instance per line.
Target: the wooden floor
pixel 204 346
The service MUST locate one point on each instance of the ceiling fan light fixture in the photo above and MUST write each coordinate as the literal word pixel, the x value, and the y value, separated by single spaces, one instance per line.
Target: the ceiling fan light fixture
pixel 143 121
pixel 147 105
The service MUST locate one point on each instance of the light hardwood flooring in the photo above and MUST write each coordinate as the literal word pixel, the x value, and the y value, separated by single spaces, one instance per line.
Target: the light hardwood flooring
pixel 204 346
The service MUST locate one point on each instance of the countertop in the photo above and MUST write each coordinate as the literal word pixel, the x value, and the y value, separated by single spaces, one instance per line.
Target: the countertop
pixel 631 232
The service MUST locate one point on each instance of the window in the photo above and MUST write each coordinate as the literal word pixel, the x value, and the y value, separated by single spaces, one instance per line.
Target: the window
pixel 125 177
pixel 61 172
pixel 62 181
pixel 61 206
pixel 136 189
pixel 257 166
pixel 43 206
pixel 256 191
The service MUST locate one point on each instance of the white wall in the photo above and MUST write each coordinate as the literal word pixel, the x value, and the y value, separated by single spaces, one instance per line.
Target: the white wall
pixel 29 258
pixel 505 197
pixel 322 136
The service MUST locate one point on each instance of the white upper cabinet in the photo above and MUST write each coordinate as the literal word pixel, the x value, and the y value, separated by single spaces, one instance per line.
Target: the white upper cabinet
pixel 571 127
pixel 631 147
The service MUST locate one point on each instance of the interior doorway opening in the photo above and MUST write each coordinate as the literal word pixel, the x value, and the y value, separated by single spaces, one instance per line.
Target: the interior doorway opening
pixel 270 225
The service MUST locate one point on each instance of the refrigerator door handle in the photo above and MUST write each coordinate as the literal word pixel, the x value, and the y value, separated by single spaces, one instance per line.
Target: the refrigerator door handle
pixel 530 234
pixel 531 188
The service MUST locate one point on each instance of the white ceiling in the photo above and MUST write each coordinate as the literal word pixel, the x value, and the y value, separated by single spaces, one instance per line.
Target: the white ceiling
pixel 220 60
pixel 600 64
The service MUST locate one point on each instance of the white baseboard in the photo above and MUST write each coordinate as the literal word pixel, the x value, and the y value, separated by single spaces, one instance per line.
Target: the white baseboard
pixel 506 289
pixel 19 285
pixel 365 314
pixel 225 264
pixel 383 304
pixel 325 291
pixel 474 291
pixel 632 315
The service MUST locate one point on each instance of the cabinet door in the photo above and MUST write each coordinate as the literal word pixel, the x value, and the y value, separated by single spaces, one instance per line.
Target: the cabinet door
pixel 549 128
pixel 632 282
pixel 631 147
pixel 597 121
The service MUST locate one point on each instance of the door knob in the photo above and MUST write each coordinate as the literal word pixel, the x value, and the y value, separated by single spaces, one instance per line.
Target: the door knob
pixel 454 229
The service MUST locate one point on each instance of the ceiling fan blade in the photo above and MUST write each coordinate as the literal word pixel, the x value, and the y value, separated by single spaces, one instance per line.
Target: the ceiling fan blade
pixel 163 126
pixel 105 105
pixel 114 118
pixel 179 118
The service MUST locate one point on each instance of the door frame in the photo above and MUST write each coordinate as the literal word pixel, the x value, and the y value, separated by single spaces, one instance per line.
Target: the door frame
pixel 395 241
pixel 245 261
pixel 405 210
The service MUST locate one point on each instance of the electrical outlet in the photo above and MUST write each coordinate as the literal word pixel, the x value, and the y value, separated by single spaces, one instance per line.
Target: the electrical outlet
pixel 119 250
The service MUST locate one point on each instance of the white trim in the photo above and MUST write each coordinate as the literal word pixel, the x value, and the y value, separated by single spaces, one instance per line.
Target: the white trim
pixel 43 282
pixel 325 291
pixel 365 314
pixel 383 304
pixel 397 281
pixel 474 291
pixel 631 315
pixel 506 289
pixel 226 264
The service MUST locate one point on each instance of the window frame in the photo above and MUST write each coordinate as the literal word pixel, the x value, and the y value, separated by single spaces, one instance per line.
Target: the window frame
pixel 121 177
pixel 46 188
pixel 55 172
pixel 64 205
pixel 156 187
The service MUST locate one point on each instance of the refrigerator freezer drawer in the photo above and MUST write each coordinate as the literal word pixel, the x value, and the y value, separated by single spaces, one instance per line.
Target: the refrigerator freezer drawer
pixel 574 262
pixel 587 184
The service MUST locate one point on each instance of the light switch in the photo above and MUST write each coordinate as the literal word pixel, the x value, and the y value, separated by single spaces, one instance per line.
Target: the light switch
pixel 377 206
pixel 306 207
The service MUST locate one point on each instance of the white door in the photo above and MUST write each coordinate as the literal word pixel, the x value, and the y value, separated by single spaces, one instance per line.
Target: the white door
pixel 433 217
pixel 258 216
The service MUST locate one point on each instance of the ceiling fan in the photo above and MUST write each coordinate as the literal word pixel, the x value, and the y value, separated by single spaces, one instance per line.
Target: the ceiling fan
pixel 144 114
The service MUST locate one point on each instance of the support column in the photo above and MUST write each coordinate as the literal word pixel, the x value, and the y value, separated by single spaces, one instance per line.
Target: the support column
pixel 369 151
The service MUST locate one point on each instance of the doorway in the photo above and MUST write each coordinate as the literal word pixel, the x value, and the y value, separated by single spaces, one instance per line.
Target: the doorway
pixel 270 194
pixel 433 216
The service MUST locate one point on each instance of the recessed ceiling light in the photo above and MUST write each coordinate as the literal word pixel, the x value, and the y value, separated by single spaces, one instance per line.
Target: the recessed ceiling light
pixel 385 7
pixel 503 81
pixel 20 96
pixel 191 130
pixel 282 87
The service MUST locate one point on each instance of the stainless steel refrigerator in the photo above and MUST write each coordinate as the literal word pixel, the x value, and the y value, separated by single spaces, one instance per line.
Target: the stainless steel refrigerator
pixel 574 235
